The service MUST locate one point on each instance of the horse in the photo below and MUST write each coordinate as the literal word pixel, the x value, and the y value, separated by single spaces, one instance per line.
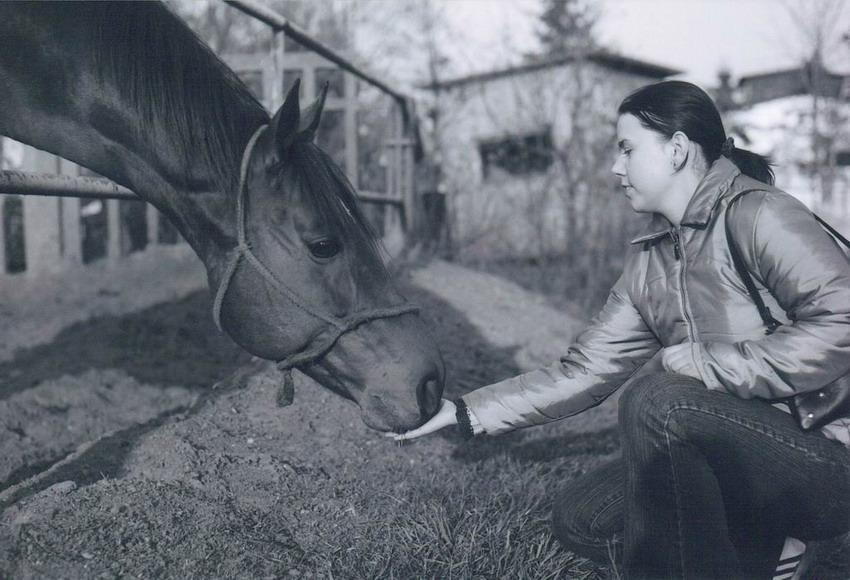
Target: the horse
pixel 127 90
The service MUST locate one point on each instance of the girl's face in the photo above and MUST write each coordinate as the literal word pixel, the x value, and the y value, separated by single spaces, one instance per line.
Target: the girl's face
pixel 644 165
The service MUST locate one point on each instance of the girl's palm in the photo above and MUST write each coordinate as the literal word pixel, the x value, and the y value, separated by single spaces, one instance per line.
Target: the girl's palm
pixel 444 417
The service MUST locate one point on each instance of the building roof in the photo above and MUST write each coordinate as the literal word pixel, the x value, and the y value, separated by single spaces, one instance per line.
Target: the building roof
pixel 793 81
pixel 799 72
pixel 602 58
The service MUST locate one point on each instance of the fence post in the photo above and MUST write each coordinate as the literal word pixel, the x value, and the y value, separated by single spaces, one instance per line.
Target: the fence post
pixel 152 218
pixel 72 247
pixel 113 230
pixel 278 49
pixel 350 127
pixel 3 265
pixel 41 216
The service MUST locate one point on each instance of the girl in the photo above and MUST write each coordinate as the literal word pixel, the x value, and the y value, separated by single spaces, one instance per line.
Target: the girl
pixel 713 477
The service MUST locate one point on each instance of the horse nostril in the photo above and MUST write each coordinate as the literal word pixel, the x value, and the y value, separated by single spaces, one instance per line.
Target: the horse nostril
pixel 428 395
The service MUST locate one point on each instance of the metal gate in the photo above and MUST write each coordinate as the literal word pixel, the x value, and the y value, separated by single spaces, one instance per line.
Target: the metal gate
pixel 390 205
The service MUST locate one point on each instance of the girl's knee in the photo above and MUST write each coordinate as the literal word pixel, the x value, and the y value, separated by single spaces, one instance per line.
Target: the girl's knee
pixel 651 397
pixel 574 534
pixel 587 514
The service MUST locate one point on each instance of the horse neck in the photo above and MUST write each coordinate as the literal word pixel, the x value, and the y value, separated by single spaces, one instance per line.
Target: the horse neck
pixel 55 100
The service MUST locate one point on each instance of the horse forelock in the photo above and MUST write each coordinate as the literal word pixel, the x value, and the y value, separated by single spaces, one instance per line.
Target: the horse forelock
pixel 180 88
pixel 330 195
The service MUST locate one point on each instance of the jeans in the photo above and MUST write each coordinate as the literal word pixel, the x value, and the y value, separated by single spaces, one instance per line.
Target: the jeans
pixel 708 486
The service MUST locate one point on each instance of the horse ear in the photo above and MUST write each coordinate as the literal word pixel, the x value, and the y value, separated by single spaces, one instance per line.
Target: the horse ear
pixel 286 120
pixel 311 116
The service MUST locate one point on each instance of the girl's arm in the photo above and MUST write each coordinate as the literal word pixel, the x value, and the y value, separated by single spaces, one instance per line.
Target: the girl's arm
pixel 615 345
pixel 809 276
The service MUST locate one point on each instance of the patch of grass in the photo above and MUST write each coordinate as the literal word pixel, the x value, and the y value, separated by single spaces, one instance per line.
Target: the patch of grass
pixel 494 524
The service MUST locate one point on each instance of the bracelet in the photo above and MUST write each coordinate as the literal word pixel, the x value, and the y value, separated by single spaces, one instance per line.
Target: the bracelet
pixel 467 422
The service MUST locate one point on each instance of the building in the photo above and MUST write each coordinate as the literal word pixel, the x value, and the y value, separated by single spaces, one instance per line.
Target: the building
pixel 524 151
pixel 800 118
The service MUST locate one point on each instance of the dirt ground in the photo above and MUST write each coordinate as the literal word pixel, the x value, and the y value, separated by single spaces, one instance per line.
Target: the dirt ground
pixel 118 459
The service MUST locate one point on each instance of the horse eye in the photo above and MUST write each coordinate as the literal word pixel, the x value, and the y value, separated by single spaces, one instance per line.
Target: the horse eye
pixel 326 248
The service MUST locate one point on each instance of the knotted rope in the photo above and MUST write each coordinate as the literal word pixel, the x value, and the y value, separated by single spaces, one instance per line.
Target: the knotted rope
pixel 336 326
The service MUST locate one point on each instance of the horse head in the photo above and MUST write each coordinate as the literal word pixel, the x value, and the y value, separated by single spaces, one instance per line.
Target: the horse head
pixel 127 90
pixel 306 285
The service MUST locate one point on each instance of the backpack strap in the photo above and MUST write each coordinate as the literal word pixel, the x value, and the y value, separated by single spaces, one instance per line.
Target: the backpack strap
pixel 770 323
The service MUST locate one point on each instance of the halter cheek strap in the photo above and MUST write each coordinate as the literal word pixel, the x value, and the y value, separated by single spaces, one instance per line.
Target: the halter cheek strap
pixel 335 326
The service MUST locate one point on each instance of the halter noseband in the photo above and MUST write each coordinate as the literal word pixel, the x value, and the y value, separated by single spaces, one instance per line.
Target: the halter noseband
pixel 336 326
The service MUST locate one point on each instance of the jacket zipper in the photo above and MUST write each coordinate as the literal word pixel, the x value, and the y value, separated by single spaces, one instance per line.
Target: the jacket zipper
pixel 674 235
pixel 679 252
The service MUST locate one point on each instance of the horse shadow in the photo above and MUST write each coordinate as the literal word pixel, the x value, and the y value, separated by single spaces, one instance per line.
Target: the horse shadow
pixel 472 362
pixel 170 344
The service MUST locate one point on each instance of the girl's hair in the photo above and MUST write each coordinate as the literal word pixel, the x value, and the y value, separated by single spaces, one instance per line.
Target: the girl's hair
pixel 670 106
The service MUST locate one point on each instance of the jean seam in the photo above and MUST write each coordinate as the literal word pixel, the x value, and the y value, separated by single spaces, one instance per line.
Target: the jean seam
pixel 754 427
pixel 743 423
pixel 605 508
pixel 675 493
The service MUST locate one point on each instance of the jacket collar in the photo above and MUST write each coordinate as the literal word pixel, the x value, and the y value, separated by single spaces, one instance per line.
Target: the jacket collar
pixel 717 181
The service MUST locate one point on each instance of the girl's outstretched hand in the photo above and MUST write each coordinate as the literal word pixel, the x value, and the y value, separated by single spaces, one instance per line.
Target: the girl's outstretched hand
pixel 444 417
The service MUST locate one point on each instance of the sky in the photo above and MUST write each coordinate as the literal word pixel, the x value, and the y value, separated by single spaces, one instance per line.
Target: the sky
pixel 697 36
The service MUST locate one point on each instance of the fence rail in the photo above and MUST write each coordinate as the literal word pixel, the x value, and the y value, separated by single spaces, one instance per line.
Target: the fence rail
pixel 56 233
pixel 279 23
pixel 49 185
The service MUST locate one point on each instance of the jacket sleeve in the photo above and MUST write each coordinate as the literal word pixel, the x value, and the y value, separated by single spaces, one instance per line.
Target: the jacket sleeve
pixel 809 277
pixel 615 345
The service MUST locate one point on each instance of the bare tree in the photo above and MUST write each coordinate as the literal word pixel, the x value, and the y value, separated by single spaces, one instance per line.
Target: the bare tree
pixel 568 26
pixel 816 24
pixel 563 217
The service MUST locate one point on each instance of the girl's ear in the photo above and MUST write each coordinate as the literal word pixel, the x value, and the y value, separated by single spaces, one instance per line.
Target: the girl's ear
pixel 680 149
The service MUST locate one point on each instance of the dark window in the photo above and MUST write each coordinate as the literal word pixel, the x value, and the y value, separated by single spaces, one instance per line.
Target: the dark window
pixel 94 224
pixel 290 45
pixel 253 79
pixel 331 136
pixel 842 159
pixel 371 152
pixel 13 232
pixel 168 234
pixel 518 155
pixel 290 75
pixel 95 229
pixel 134 226
pixel 335 79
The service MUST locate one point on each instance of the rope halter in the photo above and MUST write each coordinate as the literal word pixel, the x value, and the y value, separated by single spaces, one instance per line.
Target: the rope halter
pixel 335 326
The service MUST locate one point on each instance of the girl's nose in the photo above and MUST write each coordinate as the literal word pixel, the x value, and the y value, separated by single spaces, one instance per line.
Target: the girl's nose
pixel 618 167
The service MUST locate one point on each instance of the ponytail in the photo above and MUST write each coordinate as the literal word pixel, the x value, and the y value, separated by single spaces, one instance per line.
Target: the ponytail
pixel 670 106
pixel 751 164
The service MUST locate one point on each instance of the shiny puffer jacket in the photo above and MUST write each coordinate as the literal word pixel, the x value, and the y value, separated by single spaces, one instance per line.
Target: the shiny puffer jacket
pixel 679 285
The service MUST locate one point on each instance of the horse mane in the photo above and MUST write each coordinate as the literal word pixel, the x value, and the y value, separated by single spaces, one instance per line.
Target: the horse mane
pixel 176 83
pixel 181 88
pixel 330 194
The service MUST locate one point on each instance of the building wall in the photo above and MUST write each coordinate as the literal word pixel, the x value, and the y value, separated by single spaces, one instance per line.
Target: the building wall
pixel 517 215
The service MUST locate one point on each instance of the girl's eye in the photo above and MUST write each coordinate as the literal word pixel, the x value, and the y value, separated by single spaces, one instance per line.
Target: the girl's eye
pixel 325 248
